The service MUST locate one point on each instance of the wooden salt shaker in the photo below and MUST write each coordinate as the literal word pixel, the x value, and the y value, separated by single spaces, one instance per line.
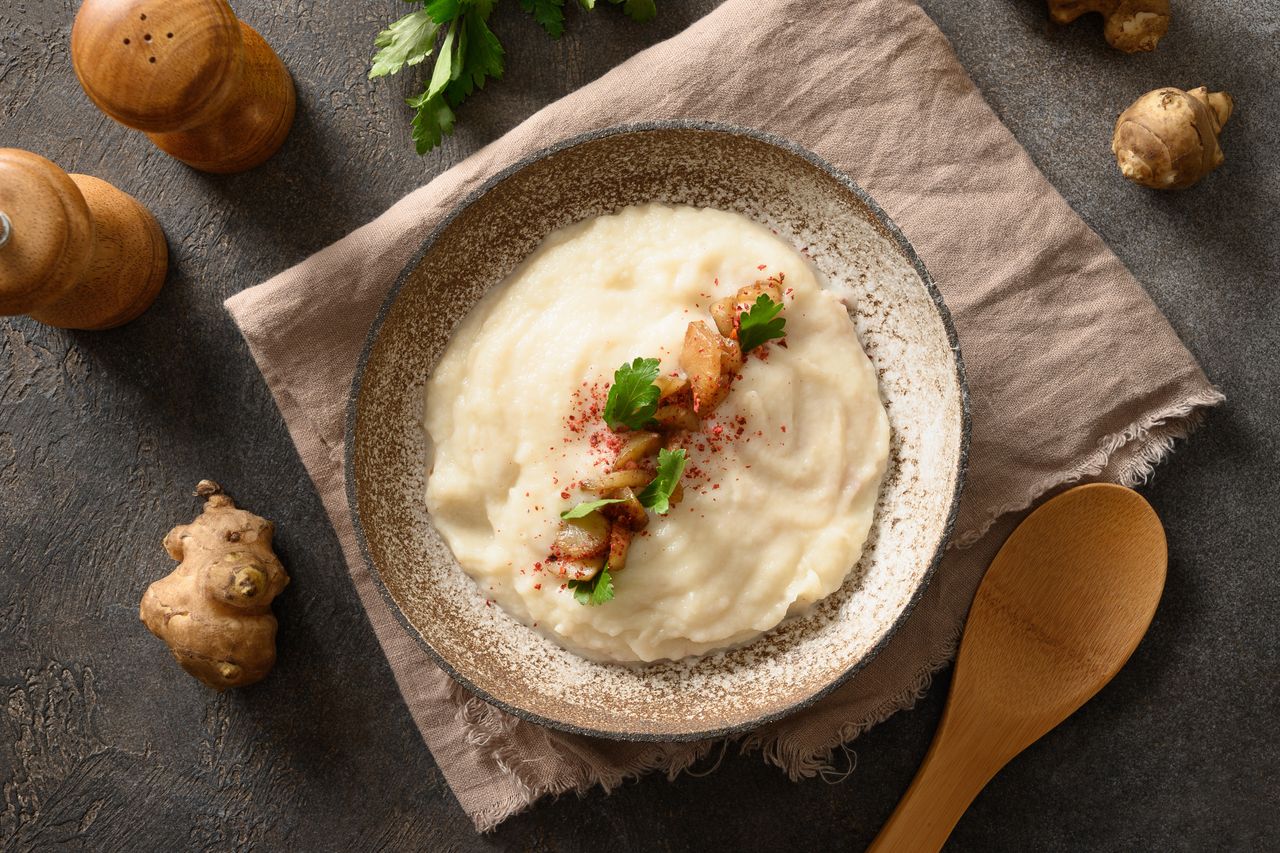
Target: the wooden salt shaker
pixel 203 85
pixel 75 252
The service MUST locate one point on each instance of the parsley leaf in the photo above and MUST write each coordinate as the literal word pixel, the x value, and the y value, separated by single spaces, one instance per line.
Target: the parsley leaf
pixel 633 397
pixel 408 41
pixel 548 13
pixel 595 591
pixel 761 323
pixel 657 495
pixel 480 54
pixel 433 121
pixel 442 11
pixel 468 55
pixel 585 508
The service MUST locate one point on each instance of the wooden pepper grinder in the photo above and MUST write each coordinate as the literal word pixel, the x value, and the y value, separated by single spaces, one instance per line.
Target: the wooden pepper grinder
pixel 204 86
pixel 75 252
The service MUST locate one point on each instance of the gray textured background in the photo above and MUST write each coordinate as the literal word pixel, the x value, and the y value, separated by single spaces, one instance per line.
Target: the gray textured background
pixel 104 743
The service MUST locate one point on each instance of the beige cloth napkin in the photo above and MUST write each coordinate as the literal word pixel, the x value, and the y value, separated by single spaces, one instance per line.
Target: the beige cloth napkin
pixel 1074 372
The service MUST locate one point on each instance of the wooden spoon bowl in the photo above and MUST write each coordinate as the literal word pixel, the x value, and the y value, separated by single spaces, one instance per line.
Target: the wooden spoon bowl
pixel 1061 609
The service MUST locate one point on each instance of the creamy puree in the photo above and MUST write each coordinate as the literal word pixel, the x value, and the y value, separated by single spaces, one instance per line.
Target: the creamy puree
pixel 772 520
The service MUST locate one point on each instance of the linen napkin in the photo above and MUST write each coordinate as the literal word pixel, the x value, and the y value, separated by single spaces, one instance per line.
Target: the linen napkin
pixel 1074 373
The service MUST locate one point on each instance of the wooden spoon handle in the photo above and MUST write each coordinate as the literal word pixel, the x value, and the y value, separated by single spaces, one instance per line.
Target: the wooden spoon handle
pixel 943 788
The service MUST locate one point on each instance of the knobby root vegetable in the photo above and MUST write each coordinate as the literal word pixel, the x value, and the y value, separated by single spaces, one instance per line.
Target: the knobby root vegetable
pixel 214 609
pixel 1131 25
pixel 1168 138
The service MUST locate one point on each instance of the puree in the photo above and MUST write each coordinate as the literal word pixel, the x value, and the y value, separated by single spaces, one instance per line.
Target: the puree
pixel 780 485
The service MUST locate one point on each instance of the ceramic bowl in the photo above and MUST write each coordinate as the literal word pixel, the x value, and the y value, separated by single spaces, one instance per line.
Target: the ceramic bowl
pixel 903 324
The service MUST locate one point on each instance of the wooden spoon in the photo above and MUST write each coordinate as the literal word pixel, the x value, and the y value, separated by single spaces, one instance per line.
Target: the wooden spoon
pixel 1060 610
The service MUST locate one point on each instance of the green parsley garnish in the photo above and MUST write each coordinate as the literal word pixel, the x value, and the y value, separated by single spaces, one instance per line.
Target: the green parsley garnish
pixel 633 398
pixel 657 495
pixel 595 591
pixel 761 323
pixel 585 508
pixel 468 53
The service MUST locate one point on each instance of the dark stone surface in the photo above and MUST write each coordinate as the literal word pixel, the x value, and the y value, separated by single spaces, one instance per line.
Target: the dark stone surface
pixel 104 743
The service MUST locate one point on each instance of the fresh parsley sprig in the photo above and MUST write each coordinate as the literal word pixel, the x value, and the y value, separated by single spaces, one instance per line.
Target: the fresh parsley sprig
pixel 633 397
pixel 761 323
pixel 467 53
pixel 596 590
pixel 657 495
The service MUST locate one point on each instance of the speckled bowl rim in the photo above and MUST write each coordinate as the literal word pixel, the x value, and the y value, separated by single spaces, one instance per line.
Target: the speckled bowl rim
pixel 890 229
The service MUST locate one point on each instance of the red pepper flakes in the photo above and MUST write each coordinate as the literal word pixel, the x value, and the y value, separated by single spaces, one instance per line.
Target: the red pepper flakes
pixel 564 495
pixel 537 586
pixel 762 267
pixel 784 427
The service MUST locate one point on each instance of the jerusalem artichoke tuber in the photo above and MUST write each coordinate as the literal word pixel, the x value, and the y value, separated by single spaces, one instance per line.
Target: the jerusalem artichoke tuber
pixel 214 609
pixel 1168 138
pixel 1131 25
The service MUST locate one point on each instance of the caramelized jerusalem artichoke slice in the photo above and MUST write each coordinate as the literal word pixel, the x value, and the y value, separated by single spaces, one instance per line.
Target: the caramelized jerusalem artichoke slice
pixel 748 295
pixel 669 386
pixel 700 359
pixel 581 538
pixel 606 483
pixel 584 569
pixel 677 417
pixel 619 545
pixel 629 513
pixel 725 313
pixel 730 356
pixel 636 448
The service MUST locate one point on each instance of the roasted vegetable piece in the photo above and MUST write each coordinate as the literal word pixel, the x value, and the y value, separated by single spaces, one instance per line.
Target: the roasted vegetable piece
pixel 724 312
pixel 700 359
pixel 619 545
pixel 748 295
pixel 584 569
pixel 580 538
pixel 636 448
pixel 214 610
pixel 669 386
pixel 677 417
pixel 605 484
pixel 630 512
pixel 730 356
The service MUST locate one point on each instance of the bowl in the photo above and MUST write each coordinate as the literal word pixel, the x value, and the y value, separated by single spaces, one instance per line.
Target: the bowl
pixel 905 329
